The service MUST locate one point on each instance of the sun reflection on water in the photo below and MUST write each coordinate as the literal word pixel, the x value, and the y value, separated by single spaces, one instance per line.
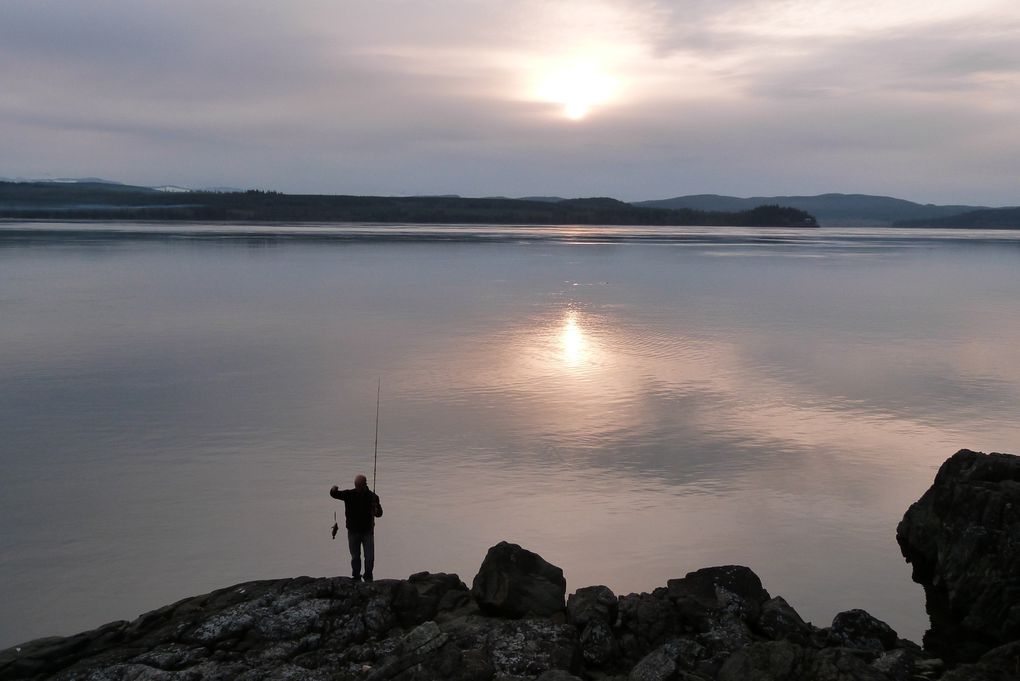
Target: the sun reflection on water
pixel 572 338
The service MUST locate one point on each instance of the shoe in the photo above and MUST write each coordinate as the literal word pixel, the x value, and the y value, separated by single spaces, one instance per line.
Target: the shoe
pixel 356 578
pixel 368 577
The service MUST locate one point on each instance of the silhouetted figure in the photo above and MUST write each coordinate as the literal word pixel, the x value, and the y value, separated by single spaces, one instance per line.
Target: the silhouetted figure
pixel 361 508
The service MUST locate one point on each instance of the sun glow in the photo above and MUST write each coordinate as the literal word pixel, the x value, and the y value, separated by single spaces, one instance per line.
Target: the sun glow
pixel 577 86
pixel 573 340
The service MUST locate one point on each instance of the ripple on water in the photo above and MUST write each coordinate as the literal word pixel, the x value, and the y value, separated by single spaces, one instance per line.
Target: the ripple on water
pixel 766 410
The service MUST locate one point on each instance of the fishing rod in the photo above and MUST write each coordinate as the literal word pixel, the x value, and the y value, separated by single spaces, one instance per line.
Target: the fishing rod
pixel 375 457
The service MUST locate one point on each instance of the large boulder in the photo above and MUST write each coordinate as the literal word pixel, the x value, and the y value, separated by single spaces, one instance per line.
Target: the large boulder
pixel 858 629
pixel 963 539
pixel 514 582
pixel 714 608
pixel 779 621
pixel 732 588
pixel 592 603
pixel 425 594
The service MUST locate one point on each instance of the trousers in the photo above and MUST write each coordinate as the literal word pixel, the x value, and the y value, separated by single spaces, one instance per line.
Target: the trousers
pixel 358 541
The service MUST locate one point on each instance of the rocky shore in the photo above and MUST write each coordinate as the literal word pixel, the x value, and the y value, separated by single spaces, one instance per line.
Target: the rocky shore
pixel 517 621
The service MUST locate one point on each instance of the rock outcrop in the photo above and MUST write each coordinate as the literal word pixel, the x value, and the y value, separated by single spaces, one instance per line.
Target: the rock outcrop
pixel 963 540
pixel 714 624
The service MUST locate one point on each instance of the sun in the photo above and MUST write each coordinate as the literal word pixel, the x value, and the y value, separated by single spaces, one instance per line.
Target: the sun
pixel 578 87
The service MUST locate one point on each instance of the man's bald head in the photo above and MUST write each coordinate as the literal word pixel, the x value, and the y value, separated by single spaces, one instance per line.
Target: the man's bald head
pixel 360 481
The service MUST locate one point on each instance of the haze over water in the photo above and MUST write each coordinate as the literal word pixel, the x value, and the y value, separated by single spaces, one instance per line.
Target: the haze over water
pixel 173 410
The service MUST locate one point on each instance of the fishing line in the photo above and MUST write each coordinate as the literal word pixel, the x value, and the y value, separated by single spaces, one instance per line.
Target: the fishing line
pixel 375 459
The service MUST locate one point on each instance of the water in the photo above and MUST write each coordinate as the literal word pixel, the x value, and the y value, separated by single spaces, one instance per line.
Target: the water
pixel 632 404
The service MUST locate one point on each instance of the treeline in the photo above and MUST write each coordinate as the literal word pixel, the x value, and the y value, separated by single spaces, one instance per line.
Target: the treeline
pixel 989 218
pixel 96 201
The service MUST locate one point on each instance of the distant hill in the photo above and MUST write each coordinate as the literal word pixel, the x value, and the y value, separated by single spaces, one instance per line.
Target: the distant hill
pixel 61 194
pixel 221 190
pixel 113 184
pixel 989 218
pixel 99 201
pixel 83 180
pixel 546 199
pixel 835 210
pixel 63 180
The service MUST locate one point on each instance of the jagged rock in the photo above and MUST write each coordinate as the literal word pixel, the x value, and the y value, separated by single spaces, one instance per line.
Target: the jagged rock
pixel 908 664
pixel 733 588
pixel 930 668
pixel 532 647
pixel 998 664
pixel 593 610
pixel 658 665
pixel 646 621
pixel 775 660
pixel 858 629
pixel 514 582
pixel 779 621
pixel 591 603
pixel 598 643
pixel 424 595
pixel 673 661
pixel 728 635
pixel 895 664
pixel 512 648
pixel 412 652
pixel 691 656
pixel 720 604
pixel 713 607
pixel 557 675
pixel 963 539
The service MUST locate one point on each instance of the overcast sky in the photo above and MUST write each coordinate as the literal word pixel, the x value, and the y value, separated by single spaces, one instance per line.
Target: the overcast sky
pixel 636 99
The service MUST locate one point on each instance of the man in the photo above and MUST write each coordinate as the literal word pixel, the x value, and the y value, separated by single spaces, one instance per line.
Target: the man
pixel 361 508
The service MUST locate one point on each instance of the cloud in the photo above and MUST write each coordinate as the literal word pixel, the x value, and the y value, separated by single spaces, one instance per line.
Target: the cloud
pixel 396 96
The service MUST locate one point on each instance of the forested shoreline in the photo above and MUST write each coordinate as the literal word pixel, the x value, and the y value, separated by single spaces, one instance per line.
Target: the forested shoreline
pixel 100 201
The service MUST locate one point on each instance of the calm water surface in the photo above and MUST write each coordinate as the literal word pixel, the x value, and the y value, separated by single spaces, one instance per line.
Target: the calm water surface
pixel 631 404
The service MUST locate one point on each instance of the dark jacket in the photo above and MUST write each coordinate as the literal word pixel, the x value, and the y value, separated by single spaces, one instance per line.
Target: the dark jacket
pixel 361 508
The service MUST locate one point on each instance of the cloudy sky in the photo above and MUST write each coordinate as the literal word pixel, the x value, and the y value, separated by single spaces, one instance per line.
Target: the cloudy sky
pixel 636 99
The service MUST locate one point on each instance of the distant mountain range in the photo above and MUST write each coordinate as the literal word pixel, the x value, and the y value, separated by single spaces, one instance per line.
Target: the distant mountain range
pixel 831 210
pixel 113 184
pixel 989 218
pixel 104 201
